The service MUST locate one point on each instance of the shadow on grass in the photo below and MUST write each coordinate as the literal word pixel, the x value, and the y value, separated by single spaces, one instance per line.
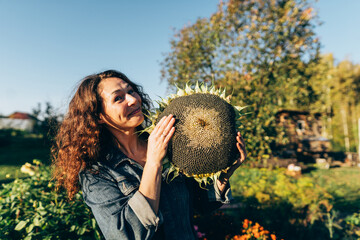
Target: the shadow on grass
pixel 17 150
pixel 308 169
pixel 21 150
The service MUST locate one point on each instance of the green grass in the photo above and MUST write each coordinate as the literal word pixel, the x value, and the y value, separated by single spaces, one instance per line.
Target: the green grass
pixel 8 172
pixel 333 178
pixel 342 183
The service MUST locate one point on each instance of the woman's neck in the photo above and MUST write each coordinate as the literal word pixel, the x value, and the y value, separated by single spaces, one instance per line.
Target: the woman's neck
pixel 131 145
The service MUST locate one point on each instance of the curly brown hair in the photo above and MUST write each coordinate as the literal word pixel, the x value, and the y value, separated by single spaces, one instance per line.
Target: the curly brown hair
pixel 80 138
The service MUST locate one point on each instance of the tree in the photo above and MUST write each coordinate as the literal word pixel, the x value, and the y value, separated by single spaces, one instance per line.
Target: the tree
pixel 263 51
pixel 49 121
pixel 337 87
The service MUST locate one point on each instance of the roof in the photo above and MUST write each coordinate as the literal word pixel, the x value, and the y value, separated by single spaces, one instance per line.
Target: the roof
pixel 21 115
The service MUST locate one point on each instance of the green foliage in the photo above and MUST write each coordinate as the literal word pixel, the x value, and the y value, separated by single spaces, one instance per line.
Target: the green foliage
pixel 337 88
pixel 318 205
pixel 353 225
pixel 267 187
pixel 262 50
pixel 31 209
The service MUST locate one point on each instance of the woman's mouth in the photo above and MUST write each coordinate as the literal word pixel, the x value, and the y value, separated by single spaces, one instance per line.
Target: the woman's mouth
pixel 135 111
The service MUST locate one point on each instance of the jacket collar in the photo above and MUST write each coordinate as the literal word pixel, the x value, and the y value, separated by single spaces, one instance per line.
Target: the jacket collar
pixel 114 157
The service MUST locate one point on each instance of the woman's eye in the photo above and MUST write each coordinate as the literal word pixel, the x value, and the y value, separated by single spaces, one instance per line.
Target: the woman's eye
pixel 131 91
pixel 117 98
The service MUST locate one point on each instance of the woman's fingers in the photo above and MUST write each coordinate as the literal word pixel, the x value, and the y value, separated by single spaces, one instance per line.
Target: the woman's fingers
pixel 240 140
pixel 241 147
pixel 156 129
pixel 169 135
pixel 162 124
pixel 168 126
pixel 163 128
pixel 242 153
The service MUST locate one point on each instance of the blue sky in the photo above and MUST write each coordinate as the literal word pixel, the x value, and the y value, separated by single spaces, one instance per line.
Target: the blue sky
pixel 47 46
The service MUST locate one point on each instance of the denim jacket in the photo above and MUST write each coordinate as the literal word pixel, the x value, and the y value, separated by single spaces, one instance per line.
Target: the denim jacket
pixel 122 212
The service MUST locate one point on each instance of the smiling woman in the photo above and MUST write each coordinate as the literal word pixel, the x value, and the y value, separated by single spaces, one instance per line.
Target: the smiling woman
pixel 98 149
pixel 121 105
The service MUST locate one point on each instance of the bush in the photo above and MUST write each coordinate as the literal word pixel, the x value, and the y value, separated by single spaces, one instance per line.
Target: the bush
pixel 295 208
pixel 31 209
pixel 353 225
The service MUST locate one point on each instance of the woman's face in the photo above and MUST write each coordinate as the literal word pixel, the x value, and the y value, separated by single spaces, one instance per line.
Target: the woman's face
pixel 121 105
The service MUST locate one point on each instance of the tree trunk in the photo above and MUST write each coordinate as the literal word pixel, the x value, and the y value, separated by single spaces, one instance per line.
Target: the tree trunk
pixel 346 130
pixel 354 124
pixel 359 139
pixel 329 117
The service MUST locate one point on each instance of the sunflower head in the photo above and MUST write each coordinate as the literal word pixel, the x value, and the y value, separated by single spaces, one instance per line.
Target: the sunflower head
pixel 204 142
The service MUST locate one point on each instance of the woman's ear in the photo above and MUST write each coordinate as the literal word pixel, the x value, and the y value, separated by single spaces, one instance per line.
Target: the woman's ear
pixel 101 118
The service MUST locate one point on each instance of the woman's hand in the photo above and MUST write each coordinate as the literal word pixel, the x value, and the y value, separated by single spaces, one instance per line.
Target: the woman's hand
pixel 224 177
pixel 150 184
pixel 241 147
pixel 159 139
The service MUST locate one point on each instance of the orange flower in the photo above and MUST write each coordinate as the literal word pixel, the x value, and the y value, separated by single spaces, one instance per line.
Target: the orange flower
pixel 246 223
pixel 256 225
pixel 255 231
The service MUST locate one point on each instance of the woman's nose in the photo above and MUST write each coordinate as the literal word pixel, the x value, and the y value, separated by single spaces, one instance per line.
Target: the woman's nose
pixel 131 99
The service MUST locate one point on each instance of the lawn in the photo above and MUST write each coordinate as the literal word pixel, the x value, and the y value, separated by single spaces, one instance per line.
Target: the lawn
pixel 342 183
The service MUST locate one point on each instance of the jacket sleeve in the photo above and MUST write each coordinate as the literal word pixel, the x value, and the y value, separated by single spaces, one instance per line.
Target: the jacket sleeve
pixel 120 210
pixel 215 195
pixel 209 199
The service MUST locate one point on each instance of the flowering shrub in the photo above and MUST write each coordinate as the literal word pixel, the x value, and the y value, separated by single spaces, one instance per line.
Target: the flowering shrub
pixel 320 205
pixel 31 209
pixel 249 231
pixel 253 231
pixel 304 207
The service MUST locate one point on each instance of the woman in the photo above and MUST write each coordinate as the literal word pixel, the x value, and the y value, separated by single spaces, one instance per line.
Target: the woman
pixel 120 172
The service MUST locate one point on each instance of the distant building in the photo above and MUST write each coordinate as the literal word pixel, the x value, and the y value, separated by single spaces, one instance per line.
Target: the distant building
pixel 304 131
pixel 18 121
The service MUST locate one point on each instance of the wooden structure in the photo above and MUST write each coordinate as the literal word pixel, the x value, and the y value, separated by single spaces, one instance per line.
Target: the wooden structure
pixel 305 134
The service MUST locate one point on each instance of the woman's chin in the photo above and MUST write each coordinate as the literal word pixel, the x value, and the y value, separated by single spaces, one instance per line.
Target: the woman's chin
pixel 137 119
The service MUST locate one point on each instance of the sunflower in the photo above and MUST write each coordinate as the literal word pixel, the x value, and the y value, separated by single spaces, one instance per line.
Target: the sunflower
pixel 204 143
